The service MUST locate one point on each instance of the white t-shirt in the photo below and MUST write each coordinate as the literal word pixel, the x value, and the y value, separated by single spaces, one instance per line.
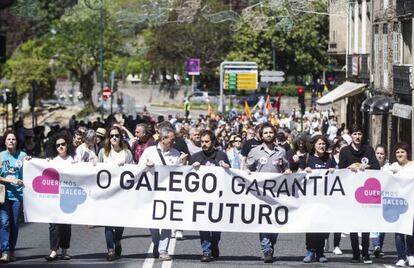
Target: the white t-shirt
pixel 84 154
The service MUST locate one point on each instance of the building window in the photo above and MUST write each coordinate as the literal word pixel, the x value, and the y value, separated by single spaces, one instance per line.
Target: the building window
pixel 385 54
pixel 376 45
pixel 396 43
pixel 385 46
pixel 333 36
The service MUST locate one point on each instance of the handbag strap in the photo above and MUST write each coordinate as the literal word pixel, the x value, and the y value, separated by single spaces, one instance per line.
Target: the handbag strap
pixel 162 158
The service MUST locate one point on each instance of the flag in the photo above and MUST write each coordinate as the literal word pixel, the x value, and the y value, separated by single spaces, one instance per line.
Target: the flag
pixel 260 104
pixel 268 105
pixel 209 110
pixel 247 110
pixel 278 101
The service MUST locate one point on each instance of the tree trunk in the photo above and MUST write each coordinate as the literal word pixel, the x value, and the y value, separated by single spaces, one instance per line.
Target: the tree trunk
pixel 86 87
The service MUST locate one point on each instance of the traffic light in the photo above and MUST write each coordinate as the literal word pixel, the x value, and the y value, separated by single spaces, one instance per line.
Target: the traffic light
pixel 301 99
pixel 186 78
pixel 115 86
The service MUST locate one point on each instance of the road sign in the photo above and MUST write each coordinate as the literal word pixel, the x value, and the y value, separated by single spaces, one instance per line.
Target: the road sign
pixel 272 79
pixel 236 75
pixel 240 79
pixel 272 76
pixel 192 66
pixel 107 93
pixel 272 73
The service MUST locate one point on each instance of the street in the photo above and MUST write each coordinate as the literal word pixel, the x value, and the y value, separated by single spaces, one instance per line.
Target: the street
pixel 236 250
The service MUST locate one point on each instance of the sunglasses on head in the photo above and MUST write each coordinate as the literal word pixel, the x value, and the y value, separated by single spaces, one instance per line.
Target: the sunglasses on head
pixel 63 144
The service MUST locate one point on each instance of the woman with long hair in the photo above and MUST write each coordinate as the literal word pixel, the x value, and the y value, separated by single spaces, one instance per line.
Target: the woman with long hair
pixel 62 150
pixel 318 158
pixel 115 151
pixel 11 174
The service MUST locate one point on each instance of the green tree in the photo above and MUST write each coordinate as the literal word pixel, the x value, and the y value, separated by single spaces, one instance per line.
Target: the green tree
pixel 76 45
pixel 300 51
pixel 169 45
pixel 28 66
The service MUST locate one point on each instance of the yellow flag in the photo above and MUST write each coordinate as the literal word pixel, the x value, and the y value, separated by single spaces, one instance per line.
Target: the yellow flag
pixel 268 104
pixel 209 110
pixel 247 109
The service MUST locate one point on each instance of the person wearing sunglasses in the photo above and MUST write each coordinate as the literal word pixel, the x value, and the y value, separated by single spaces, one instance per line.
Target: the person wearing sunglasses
pixel 62 150
pixel 234 151
pixel 115 151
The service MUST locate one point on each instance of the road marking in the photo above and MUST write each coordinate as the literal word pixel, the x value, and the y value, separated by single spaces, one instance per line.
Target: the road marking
pixel 149 260
pixel 171 250
pixel 389 266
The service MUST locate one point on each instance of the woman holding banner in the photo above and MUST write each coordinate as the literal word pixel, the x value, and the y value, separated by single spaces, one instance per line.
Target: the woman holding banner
pixel 403 243
pixel 337 146
pixel 62 151
pixel 11 175
pixel 318 158
pixel 115 151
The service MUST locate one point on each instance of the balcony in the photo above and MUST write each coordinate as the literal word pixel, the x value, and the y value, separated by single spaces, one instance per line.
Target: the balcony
pixel 358 67
pixel 405 8
pixel 402 79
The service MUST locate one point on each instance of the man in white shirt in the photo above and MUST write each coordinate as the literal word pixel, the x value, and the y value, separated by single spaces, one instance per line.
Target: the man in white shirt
pixel 162 154
pixel 194 143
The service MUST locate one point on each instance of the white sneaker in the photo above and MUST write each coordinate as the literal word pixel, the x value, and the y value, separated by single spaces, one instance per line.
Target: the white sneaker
pixel 400 263
pixel 178 235
pixel 410 261
pixel 337 251
pixel 326 248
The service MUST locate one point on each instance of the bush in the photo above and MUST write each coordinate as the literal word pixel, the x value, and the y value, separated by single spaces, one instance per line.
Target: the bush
pixel 286 89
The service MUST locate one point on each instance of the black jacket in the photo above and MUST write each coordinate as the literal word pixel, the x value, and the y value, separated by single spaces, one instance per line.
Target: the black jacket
pixel 366 155
pixel 211 159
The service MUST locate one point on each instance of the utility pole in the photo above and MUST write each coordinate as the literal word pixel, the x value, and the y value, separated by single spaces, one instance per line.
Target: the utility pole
pixel 274 55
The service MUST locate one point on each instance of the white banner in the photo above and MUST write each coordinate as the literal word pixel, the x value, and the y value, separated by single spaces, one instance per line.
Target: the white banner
pixel 215 199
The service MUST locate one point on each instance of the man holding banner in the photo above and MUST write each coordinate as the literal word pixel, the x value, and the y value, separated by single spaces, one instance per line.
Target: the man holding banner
pixel 268 157
pixel 209 156
pixel 162 154
pixel 358 157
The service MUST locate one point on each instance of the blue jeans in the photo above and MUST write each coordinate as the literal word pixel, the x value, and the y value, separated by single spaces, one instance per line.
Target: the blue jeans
pixel 315 242
pixel 161 239
pixel 209 240
pixel 405 245
pixel 10 212
pixel 378 241
pixel 267 242
pixel 113 235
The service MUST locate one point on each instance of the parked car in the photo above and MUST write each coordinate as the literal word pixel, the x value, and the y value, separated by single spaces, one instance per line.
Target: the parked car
pixel 203 97
pixel 253 99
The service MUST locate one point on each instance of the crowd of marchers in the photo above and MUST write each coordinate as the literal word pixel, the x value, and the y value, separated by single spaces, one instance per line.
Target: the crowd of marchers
pixel 262 143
